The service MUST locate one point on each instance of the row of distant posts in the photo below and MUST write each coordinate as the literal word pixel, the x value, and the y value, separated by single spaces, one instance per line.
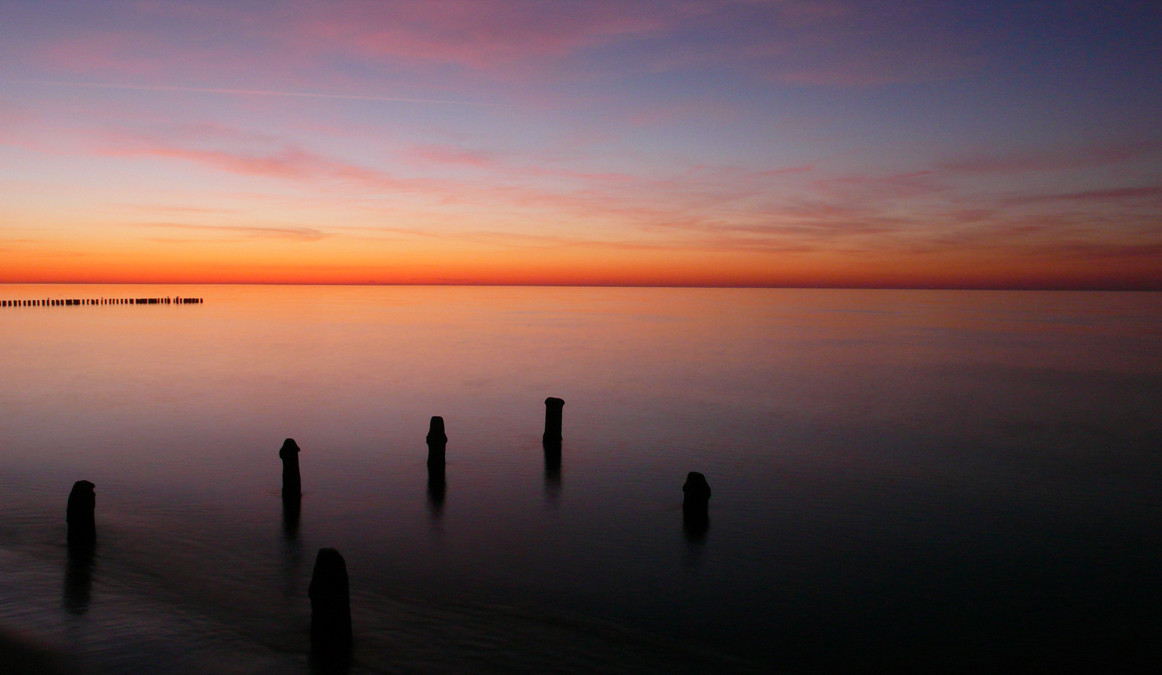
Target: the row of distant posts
pixel 329 591
pixel 68 302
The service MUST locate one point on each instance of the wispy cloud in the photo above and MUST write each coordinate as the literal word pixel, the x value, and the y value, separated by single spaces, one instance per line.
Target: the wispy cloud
pixel 1058 160
pixel 247 92
pixel 1123 194
pixel 812 43
pixel 305 234
pixel 450 155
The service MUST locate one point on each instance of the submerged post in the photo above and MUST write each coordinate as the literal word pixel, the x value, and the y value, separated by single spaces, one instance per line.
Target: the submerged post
pixel 437 442
pixel 330 603
pixel 291 483
pixel 696 507
pixel 80 514
pixel 553 408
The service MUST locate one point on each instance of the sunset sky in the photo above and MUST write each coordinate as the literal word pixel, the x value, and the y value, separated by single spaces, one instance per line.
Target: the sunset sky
pixel 750 142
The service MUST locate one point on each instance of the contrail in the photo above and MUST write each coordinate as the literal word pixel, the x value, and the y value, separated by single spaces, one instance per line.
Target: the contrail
pixel 252 92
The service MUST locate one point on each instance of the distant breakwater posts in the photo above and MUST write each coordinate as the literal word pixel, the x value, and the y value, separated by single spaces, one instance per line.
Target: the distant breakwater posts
pixel 331 635
pixel 69 302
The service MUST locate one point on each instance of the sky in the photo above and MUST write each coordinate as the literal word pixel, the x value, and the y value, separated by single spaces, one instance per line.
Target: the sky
pixel 688 142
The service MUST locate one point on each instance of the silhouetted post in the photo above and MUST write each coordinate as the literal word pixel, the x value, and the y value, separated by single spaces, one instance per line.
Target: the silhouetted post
pixel 80 514
pixel 437 442
pixel 696 491
pixel 291 483
pixel 553 408
pixel 696 507
pixel 330 603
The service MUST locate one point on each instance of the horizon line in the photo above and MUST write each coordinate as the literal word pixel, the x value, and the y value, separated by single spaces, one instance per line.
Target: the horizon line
pixel 850 287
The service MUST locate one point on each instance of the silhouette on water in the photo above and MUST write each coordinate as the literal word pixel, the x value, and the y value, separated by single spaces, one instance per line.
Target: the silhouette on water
pixel 291 482
pixel 551 442
pixel 552 472
pixel 552 434
pixel 696 507
pixel 80 517
pixel 437 442
pixel 80 514
pixel 78 577
pixel 437 486
pixel 330 609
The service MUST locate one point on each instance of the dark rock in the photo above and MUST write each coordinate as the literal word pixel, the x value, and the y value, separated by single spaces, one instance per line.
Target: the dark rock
pixel 291 482
pixel 553 408
pixel 80 514
pixel 330 603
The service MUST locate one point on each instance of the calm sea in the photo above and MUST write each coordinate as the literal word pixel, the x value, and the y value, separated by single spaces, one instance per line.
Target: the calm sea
pixel 907 481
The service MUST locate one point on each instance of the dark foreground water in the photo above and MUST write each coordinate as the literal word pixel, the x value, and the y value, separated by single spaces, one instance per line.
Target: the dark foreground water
pixel 903 480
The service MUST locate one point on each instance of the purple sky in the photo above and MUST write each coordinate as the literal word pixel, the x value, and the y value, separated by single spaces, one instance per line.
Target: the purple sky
pixel 992 144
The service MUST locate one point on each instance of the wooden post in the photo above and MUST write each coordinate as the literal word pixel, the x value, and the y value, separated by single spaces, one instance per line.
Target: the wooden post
pixel 553 408
pixel 80 515
pixel 330 603
pixel 291 482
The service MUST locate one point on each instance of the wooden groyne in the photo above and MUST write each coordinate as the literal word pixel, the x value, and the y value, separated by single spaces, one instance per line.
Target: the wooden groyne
pixel 69 302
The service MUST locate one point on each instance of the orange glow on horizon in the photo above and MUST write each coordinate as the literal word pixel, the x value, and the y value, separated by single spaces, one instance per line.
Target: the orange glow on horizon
pixel 459 263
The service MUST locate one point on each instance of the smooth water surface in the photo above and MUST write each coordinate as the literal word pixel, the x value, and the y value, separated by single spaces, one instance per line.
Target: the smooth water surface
pixel 920 481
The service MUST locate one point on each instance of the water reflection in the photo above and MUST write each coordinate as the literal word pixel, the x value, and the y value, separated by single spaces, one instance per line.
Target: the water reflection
pixel 695 525
pixel 552 473
pixel 78 578
pixel 292 548
pixel 437 487
pixel 330 663
pixel 292 507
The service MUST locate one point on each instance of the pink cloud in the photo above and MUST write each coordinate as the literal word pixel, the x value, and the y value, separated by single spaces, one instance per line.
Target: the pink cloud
pixel 284 163
pixel 490 35
pixel 799 42
pixel 714 207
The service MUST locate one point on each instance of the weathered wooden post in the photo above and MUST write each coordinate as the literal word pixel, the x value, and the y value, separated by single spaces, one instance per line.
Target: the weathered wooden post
pixel 80 514
pixel 330 603
pixel 437 442
pixel 291 482
pixel 696 491
pixel 552 434
pixel 437 485
pixel 696 506
pixel 551 442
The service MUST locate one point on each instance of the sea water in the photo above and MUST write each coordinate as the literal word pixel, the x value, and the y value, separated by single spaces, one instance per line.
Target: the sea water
pixel 928 481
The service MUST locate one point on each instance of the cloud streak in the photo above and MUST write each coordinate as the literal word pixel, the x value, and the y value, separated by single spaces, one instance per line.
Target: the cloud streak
pixel 250 92
pixel 1058 160
pixel 303 234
